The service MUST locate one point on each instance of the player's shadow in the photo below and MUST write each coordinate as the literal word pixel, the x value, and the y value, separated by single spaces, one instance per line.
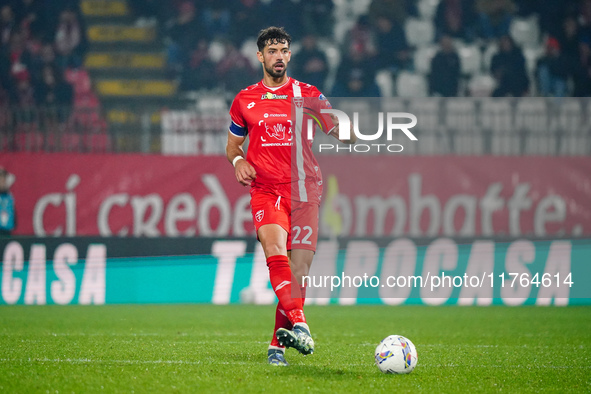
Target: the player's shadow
pixel 324 371
pixel 297 367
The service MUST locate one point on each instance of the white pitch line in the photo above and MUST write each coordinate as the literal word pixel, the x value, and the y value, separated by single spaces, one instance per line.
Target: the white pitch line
pixel 91 361
pixel 184 362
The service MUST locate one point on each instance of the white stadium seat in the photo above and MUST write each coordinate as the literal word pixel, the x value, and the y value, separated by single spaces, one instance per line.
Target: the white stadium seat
pixel 470 59
pixel 428 8
pixel 460 121
pixel 481 85
pixel 532 115
pixel 216 51
pixel 360 7
pixel 249 50
pixel 525 31
pixel 385 83
pixel 423 57
pixel 419 32
pixel 460 115
pixel 532 54
pixel 496 117
pixel 574 128
pixel 428 114
pixel 570 117
pixel 489 52
pixel 212 106
pixel 411 85
pixel 393 104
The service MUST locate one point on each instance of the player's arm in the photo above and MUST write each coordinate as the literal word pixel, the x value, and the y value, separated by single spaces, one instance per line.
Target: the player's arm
pixel 335 131
pixel 243 171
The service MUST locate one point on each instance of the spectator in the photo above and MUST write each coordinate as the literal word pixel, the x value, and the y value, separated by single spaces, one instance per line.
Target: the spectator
pixel 445 70
pixel 183 33
pixel 552 12
pixel 18 57
pixel 216 19
pixel 360 38
pixel 552 70
pixel 495 18
pixel 54 95
pixel 356 77
pixel 7 24
pixel 36 62
pixel 289 16
pixel 570 41
pixel 200 69
pixel 24 97
pixel 508 69
pixel 569 37
pixel 52 11
pixel 234 69
pixel 7 208
pixel 456 18
pixel 147 12
pixel 29 17
pixel 310 64
pixel 317 17
pixel 393 49
pixel 582 72
pixel 246 17
pixel 584 18
pixel 394 10
pixel 70 39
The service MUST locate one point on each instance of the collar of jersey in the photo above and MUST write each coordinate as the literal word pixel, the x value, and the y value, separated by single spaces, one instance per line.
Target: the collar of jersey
pixel 274 88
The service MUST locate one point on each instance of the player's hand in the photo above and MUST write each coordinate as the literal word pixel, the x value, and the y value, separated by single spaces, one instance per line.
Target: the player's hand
pixel 244 172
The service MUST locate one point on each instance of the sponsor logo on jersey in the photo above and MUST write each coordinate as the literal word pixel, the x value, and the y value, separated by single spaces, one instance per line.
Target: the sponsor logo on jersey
pixel 259 215
pixel 277 131
pixel 267 115
pixel 323 98
pixel 273 96
pixel 250 105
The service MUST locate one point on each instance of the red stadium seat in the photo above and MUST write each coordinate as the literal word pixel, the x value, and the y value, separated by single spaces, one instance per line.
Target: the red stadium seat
pixel 70 142
pixel 98 142
pixel 28 141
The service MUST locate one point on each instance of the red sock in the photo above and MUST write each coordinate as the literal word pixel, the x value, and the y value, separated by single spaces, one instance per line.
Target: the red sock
pixel 281 281
pixel 281 321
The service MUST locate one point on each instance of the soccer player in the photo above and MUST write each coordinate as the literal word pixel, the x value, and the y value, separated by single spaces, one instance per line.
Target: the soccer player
pixel 285 193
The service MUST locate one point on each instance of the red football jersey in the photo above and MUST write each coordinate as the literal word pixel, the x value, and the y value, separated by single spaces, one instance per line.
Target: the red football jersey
pixel 279 148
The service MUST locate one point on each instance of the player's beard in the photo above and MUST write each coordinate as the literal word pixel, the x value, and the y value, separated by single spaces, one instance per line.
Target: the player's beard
pixel 276 74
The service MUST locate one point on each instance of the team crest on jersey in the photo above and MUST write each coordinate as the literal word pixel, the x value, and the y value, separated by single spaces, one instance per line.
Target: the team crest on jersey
pixel 259 215
pixel 298 101
pixel 273 96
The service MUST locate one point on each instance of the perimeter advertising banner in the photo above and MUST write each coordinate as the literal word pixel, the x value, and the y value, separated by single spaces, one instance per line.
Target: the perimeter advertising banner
pixel 364 196
pixel 345 272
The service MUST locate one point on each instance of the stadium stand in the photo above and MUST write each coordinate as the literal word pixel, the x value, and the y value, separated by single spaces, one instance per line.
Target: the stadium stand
pixel 130 60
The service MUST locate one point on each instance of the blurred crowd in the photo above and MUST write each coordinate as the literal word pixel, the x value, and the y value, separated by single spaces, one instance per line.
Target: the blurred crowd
pixel 209 45
pixel 39 41
pixel 376 40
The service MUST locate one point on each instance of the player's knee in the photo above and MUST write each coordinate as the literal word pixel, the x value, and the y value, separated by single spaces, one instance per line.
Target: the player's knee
pixel 274 249
pixel 299 271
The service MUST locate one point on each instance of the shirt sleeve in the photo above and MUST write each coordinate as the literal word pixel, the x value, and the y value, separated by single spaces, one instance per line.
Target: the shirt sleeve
pixel 237 125
pixel 323 103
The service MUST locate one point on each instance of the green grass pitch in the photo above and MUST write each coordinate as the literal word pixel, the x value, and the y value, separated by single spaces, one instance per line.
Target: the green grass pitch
pixel 207 348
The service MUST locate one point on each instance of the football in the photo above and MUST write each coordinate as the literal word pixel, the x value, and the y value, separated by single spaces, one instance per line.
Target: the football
pixel 396 354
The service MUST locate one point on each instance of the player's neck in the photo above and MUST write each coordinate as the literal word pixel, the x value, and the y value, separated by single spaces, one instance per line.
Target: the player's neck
pixel 274 82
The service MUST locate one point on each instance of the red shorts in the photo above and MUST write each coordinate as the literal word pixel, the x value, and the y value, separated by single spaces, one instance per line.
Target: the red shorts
pixel 299 219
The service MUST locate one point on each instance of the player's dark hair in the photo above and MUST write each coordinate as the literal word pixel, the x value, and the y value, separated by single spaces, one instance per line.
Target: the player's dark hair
pixel 273 35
